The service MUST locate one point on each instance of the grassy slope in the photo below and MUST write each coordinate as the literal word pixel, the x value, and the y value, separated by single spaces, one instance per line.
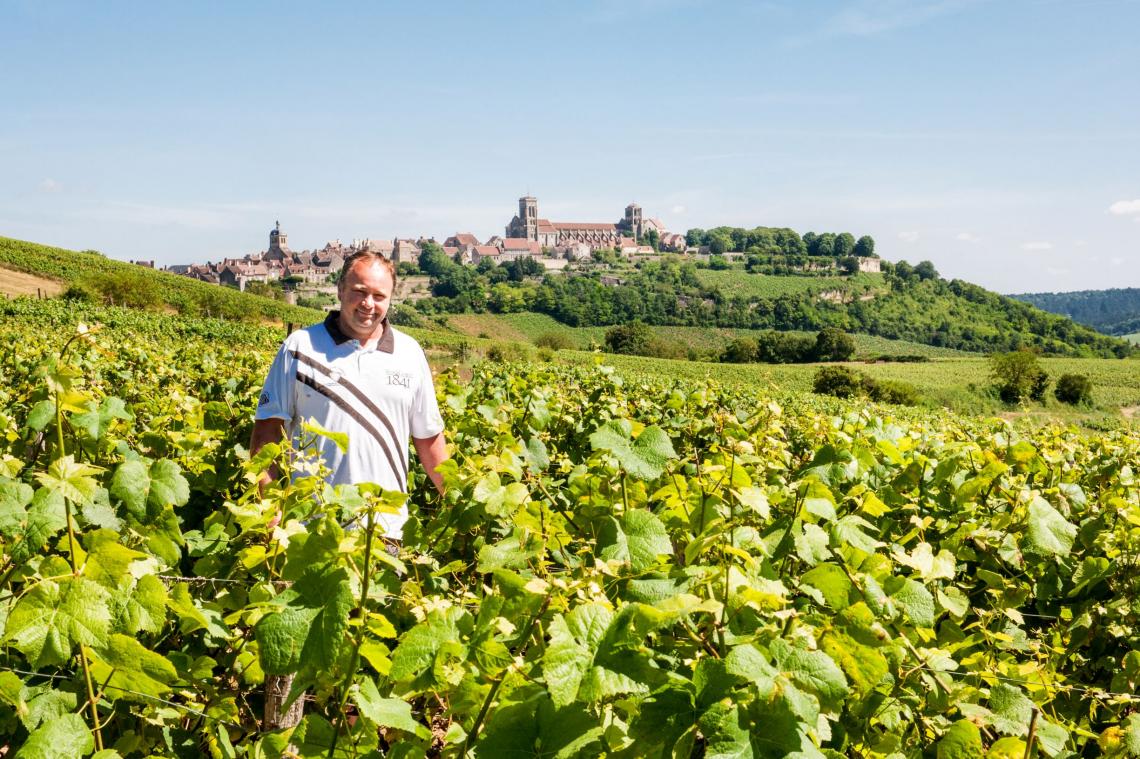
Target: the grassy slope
pixel 179 293
pixel 955 383
pixel 527 327
pixel 736 281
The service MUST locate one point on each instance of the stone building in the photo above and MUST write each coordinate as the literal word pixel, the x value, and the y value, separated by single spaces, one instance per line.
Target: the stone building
pixel 528 225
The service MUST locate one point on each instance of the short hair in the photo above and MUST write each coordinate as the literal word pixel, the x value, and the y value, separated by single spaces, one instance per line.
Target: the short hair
pixel 374 258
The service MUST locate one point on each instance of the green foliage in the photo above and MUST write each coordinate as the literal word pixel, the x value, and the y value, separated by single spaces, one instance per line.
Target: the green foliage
pixel 1074 389
pixel 840 381
pixel 93 278
pixel 1018 376
pixel 555 341
pixel 620 565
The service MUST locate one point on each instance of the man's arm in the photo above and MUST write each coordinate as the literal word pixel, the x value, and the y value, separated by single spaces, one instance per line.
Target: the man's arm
pixel 266 431
pixel 432 452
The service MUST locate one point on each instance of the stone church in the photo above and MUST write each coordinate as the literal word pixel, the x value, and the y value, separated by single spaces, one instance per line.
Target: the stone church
pixel 549 234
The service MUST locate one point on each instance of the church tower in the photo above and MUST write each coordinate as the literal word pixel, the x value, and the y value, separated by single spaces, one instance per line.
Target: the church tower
pixel 528 215
pixel 633 220
pixel 278 244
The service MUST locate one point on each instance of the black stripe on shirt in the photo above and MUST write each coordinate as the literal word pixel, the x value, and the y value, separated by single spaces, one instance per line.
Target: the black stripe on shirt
pixel 346 407
pixel 359 395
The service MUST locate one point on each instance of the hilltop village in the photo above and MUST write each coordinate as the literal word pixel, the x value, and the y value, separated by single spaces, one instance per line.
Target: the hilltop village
pixel 553 244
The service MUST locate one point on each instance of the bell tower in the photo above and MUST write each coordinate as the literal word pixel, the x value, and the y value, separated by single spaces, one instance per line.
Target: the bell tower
pixel 633 220
pixel 528 215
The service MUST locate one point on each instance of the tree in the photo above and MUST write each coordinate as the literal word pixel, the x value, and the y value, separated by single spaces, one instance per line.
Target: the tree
pixel 695 237
pixel 849 265
pixel 633 339
pixel 433 261
pixel 742 350
pixel 718 262
pixel 925 270
pixel 825 245
pixel 1017 375
pixel 844 244
pixel 865 247
pixel 833 344
pixel 719 242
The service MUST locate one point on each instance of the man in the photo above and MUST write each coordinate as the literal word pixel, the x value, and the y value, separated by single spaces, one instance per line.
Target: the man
pixel 356 374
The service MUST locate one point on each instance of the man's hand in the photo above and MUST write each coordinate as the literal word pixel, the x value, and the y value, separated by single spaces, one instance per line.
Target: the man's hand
pixel 432 452
pixel 266 431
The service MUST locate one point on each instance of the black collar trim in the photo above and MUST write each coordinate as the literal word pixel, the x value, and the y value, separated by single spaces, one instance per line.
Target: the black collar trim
pixel 387 342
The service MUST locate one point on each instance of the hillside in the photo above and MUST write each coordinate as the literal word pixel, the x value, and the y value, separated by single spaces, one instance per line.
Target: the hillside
pixel 904 303
pixel 1113 312
pixel 93 277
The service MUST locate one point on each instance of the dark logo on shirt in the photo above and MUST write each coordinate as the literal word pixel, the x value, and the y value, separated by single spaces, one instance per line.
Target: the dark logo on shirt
pixel 263 400
pixel 401 379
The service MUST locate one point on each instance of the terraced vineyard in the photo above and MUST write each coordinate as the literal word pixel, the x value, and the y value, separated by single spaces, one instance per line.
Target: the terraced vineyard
pixel 736 282
pixel 623 565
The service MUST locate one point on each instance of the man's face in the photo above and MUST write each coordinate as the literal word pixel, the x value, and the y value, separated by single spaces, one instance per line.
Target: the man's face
pixel 365 294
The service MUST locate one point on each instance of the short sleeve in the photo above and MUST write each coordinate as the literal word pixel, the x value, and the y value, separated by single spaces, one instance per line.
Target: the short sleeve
pixel 277 400
pixel 426 419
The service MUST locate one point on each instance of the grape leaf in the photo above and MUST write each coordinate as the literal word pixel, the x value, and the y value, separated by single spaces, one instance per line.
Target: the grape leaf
pixel 385 712
pixel 54 616
pixel 813 670
pixel 962 740
pixel 726 737
pixel 1011 709
pixel 644 458
pixel 1048 533
pixel 638 537
pixel 64 737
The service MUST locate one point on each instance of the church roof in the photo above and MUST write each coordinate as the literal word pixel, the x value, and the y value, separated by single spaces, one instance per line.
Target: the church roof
pixel 589 227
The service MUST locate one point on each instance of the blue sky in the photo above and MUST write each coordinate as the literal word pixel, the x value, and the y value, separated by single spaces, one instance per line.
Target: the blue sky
pixel 1000 139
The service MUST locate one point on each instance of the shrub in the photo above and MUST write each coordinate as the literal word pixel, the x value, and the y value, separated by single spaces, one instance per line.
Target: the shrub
pixel 833 344
pixel 1074 389
pixel 742 350
pixel 891 391
pixel 631 339
pixel 503 352
pixel 839 381
pixel 555 341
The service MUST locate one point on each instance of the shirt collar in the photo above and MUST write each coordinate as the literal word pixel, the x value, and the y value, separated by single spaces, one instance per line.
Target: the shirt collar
pixel 387 342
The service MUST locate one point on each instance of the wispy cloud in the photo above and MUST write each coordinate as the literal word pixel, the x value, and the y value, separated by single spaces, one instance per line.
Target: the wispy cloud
pixel 50 185
pixel 1125 207
pixel 968 237
pixel 677 210
pixel 1037 245
pixel 868 18
pixel 909 236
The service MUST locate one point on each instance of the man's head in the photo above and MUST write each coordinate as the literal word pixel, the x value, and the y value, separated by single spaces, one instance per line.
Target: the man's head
pixel 367 281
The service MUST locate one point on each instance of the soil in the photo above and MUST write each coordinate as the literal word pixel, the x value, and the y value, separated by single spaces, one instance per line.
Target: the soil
pixel 15 283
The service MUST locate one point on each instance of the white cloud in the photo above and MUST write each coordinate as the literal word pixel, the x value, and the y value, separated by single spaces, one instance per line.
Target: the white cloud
pixel 867 18
pixel 1116 260
pixel 50 185
pixel 1125 207
pixel 909 236
pixel 1080 243
pixel 1056 272
pixel 678 209
pixel 969 237
pixel 1037 245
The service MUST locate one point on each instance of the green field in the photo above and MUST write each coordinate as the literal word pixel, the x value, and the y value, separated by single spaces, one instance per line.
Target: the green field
pixel 528 327
pixel 958 384
pixel 734 282
pixel 1134 338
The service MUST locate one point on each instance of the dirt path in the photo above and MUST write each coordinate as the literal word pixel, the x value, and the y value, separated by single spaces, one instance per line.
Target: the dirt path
pixel 13 283
pixel 1129 412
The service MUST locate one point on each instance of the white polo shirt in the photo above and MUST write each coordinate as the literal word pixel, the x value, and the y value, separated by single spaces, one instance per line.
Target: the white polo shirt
pixel 378 396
